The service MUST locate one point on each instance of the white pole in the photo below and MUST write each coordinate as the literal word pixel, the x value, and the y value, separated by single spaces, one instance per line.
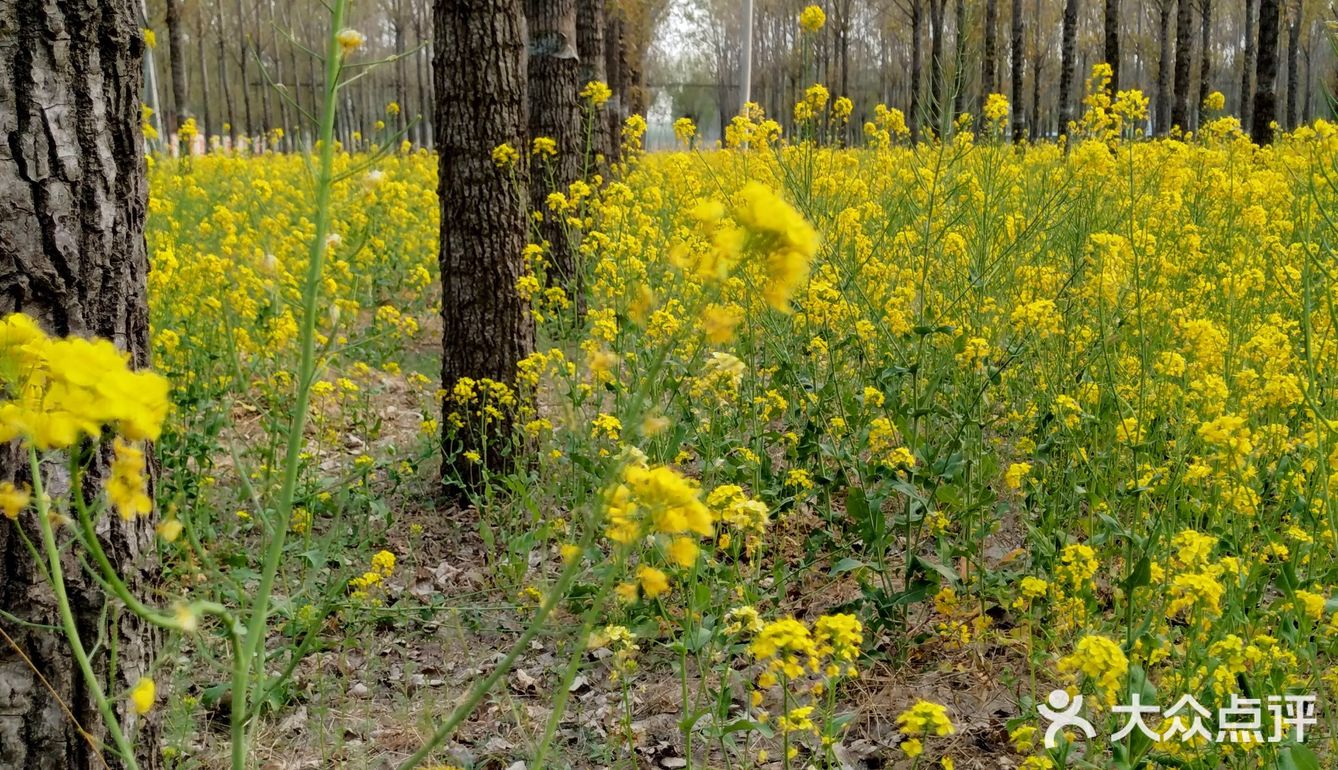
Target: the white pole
pixel 746 66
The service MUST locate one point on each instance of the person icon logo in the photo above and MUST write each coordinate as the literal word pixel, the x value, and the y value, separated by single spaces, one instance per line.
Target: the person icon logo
pixel 1062 711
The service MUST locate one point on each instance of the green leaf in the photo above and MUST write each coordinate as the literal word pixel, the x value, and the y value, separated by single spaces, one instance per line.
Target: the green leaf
pixel 1298 757
pixel 847 564
pixel 943 570
pixel 1141 576
pixel 740 725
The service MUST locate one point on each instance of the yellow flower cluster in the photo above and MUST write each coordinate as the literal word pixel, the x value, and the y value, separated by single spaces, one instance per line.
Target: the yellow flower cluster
pixel 62 390
pixel 383 565
pixel 1102 662
pixel 812 18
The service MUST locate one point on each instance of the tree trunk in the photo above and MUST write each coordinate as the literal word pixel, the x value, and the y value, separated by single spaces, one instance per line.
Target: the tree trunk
pixel 230 126
pixel 245 82
pixel 1248 65
pixel 917 36
pixel 486 328
pixel 1164 65
pixel 72 255
pixel 424 87
pixel 401 72
pixel 1265 109
pixel 1293 73
pixel 614 43
pixel 1112 43
pixel 177 64
pixel 937 83
pixel 1205 60
pixel 1066 52
pixel 257 43
pixel 989 67
pixel 283 97
pixel 959 56
pixel 555 113
pixel 843 43
pixel 311 80
pixel 1184 18
pixel 1015 53
pixel 208 125
pixel 297 87
pixel 590 50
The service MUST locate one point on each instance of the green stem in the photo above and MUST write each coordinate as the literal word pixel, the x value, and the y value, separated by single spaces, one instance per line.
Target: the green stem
pixel 67 616
pixel 252 646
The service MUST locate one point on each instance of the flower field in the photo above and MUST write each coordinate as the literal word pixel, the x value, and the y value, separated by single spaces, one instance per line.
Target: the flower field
pixel 842 452
pixel 838 429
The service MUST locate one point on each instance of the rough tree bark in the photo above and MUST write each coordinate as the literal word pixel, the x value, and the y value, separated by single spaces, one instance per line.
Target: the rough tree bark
pixel 72 255
pixel 614 42
pixel 1205 59
pixel 989 67
pixel 1015 53
pixel 1184 18
pixel 591 66
pixel 917 36
pixel 424 87
pixel 1248 64
pixel 230 112
pixel 1162 124
pixel 207 126
pixel 555 112
pixel 242 60
pixel 1112 43
pixel 177 64
pixel 401 69
pixel 298 89
pixel 257 46
pixel 1293 66
pixel 938 85
pixel 959 57
pixel 1037 59
pixel 1265 108
pixel 479 65
pixel 1066 53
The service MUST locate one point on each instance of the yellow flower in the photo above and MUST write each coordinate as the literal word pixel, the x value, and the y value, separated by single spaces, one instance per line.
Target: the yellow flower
pixel 1310 604
pixel 913 747
pixel 169 530
pixel 1015 475
pixel 544 145
pixel 798 719
pixel 127 487
pixel 384 563
pixel 12 500
pixel 812 18
pixel 925 717
pixel 1102 661
pixel 1023 738
pixel 350 40
pixel 596 93
pixel 683 551
pixel 63 389
pixel 996 108
pixel 784 239
pixel 504 155
pixel 684 130
pixel 653 582
pixel 143 694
